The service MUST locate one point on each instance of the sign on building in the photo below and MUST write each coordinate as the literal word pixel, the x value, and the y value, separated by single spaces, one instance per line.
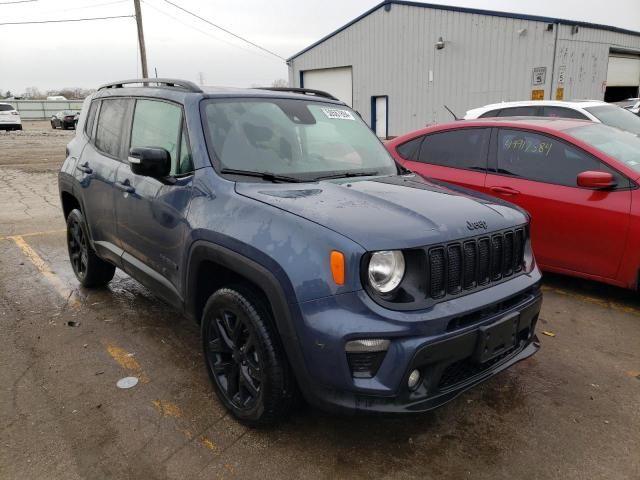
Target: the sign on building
pixel 539 76
pixel 562 72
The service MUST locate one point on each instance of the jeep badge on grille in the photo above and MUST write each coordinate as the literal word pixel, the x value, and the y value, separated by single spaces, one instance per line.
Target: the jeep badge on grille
pixel 477 225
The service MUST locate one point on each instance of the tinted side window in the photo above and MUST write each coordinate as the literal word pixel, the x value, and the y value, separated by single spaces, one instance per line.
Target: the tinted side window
pixel 409 150
pixel 464 148
pixel 113 114
pixel 185 165
pixel 541 158
pixel 531 111
pixel 491 113
pixel 157 124
pixel 91 116
pixel 563 112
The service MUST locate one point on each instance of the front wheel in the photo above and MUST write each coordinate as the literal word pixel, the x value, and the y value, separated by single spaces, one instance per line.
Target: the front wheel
pixel 90 270
pixel 244 357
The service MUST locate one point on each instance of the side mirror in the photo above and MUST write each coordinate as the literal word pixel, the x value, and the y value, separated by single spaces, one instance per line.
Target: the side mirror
pixel 596 179
pixel 150 161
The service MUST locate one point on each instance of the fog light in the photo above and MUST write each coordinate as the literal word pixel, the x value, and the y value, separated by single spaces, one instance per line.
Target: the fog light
pixel 367 345
pixel 414 378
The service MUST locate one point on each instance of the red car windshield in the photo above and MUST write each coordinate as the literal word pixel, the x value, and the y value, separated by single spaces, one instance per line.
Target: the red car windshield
pixel 621 145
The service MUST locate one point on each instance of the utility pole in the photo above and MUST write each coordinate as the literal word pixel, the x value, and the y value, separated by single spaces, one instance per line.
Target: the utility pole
pixel 143 50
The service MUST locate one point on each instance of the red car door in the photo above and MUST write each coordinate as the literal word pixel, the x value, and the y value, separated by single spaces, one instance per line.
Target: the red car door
pixel 457 156
pixel 573 228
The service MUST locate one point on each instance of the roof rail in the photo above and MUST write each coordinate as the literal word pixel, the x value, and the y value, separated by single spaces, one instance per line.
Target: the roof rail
pixel 303 91
pixel 160 82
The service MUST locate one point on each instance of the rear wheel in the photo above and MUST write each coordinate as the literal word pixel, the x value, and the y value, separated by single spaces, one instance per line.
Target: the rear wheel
pixel 90 270
pixel 53 125
pixel 244 358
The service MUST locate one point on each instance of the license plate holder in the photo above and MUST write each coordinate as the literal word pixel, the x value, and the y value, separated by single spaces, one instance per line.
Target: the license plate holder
pixel 496 338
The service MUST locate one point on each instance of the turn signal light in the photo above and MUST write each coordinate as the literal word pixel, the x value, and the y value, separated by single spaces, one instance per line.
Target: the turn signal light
pixel 337 267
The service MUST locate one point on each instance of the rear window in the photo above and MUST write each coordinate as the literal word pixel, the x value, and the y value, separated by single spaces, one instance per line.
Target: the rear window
pixel 5 107
pixel 464 148
pixel 615 116
pixel 88 126
pixel 110 126
pixel 409 150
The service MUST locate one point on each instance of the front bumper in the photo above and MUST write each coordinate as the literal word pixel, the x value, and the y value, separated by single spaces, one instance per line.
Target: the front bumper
pixel 437 343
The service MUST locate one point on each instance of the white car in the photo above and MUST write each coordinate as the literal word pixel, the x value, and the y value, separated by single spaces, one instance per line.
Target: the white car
pixel 593 110
pixel 9 117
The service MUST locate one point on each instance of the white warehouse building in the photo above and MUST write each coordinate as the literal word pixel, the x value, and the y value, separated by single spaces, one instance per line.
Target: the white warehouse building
pixel 399 63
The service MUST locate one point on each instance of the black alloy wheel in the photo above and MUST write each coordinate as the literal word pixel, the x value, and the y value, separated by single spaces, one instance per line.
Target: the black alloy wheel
pixel 244 357
pixel 233 359
pixel 90 270
pixel 78 248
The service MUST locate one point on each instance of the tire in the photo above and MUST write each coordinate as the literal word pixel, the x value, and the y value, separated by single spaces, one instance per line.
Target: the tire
pixel 90 270
pixel 19 127
pixel 244 358
pixel 53 125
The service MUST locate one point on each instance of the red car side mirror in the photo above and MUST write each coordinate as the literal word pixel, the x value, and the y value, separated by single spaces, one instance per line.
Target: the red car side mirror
pixel 596 179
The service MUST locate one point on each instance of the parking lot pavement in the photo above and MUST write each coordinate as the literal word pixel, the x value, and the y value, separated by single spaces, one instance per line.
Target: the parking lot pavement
pixel 571 412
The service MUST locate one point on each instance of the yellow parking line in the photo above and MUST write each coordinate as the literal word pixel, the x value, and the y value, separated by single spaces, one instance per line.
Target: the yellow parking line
pixel 32 234
pixel 127 361
pixel 56 282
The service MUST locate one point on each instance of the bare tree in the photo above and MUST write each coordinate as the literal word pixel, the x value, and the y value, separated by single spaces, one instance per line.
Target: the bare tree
pixel 33 93
pixel 280 83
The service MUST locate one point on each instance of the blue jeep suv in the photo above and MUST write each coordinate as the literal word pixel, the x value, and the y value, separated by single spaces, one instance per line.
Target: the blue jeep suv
pixel 312 261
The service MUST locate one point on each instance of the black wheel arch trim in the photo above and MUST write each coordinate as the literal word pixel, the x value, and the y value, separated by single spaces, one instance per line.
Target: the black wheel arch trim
pixel 265 273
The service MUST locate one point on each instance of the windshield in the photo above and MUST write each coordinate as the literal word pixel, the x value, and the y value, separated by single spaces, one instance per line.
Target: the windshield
pixel 5 107
pixel 623 146
pixel 298 138
pixel 616 117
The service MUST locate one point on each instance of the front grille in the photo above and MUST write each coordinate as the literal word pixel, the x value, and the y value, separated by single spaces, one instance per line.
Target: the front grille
pixel 459 267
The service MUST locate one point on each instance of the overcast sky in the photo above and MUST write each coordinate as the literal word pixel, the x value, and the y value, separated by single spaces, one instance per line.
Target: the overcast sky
pixel 87 54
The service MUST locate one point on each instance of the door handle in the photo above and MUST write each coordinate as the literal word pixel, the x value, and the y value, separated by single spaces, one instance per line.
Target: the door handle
pixel 504 190
pixel 85 168
pixel 125 186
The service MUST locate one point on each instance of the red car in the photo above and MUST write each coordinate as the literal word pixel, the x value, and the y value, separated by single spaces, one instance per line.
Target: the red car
pixel 578 180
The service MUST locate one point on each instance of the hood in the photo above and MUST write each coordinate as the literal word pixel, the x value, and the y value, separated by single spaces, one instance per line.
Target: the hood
pixel 389 212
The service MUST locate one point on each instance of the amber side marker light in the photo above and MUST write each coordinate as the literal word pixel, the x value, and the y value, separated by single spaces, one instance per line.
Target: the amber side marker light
pixel 337 267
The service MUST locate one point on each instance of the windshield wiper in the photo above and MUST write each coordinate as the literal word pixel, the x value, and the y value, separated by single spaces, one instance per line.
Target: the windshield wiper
pixel 272 177
pixel 347 175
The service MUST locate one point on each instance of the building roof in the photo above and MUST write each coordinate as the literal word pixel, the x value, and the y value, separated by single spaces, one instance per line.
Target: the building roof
pixel 493 13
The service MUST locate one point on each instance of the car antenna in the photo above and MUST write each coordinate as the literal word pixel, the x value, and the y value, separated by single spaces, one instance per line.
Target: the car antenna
pixel 451 112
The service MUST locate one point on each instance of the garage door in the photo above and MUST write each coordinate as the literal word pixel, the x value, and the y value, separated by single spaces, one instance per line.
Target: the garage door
pixel 336 81
pixel 624 71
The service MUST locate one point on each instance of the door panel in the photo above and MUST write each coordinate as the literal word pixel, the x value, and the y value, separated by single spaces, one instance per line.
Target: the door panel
pixel 152 212
pixel 96 172
pixel 572 228
pixel 379 115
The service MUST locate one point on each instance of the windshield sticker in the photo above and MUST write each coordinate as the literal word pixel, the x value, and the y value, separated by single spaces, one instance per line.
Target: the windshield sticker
pixel 338 114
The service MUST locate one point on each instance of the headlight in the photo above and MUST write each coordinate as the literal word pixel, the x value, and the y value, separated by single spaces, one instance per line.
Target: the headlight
pixel 386 270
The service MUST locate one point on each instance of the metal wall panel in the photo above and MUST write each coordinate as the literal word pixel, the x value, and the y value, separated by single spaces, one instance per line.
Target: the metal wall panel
pixel 486 59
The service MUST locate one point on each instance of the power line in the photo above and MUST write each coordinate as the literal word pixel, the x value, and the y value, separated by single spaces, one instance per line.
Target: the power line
pixel 18 1
pixel 67 20
pixel 208 34
pixel 225 30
